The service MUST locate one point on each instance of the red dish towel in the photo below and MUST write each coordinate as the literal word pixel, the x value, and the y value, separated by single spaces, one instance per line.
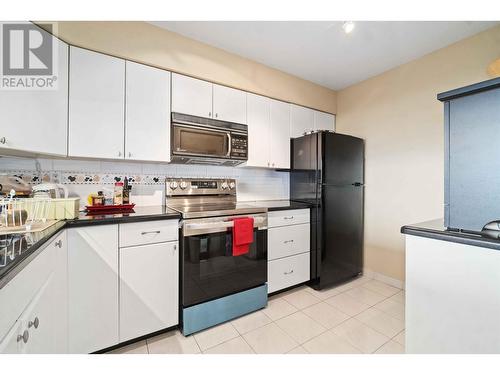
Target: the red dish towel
pixel 242 235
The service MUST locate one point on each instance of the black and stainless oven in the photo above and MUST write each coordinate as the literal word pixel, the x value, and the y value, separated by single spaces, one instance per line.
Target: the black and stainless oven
pixel 209 270
pixel 199 140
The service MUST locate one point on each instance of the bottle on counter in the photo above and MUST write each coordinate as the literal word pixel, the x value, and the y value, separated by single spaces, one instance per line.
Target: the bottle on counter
pixel 98 200
pixel 118 193
pixel 126 192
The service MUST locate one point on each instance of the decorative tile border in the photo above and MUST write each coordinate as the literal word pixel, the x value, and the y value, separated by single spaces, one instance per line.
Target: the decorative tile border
pixel 81 178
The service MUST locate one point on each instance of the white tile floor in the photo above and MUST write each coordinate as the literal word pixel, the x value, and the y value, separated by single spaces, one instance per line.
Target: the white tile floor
pixel 363 316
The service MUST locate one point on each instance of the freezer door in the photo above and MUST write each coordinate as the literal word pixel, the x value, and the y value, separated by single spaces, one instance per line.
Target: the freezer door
pixel 342 229
pixel 343 159
pixel 304 153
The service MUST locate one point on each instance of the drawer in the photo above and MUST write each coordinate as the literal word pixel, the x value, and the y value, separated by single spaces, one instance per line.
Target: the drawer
pixel 134 234
pixel 290 240
pixel 286 272
pixel 288 217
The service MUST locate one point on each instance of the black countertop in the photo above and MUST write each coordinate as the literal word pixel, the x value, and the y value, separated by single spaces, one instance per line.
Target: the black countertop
pixel 279 205
pixel 144 213
pixel 17 250
pixel 435 229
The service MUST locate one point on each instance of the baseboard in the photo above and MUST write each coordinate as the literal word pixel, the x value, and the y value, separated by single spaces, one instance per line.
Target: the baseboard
pixel 384 278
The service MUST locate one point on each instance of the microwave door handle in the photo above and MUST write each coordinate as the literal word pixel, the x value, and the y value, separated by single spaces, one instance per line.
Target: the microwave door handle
pixel 229 145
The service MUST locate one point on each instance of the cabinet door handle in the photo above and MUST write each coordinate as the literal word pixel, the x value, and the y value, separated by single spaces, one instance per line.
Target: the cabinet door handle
pixel 216 115
pixel 24 337
pixel 3 140
pixel 288 241
pixel 273 164
pixel 209 114
pixel 35 323
pixel 288 273
pixel 288 217
pixel 129 154
pixel 58 244
pixel 119 153
pixel 151 232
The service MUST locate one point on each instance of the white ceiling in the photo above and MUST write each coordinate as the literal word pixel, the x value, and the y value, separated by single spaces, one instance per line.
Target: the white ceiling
pixel 320 51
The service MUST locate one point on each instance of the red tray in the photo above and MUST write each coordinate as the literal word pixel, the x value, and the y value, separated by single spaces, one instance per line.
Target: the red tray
pixel 110 208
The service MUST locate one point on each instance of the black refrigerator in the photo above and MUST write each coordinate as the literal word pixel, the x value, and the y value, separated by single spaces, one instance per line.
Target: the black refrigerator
pixel 327 171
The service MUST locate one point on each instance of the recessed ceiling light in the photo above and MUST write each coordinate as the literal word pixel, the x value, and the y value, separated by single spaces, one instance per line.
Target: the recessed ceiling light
pixel 348 26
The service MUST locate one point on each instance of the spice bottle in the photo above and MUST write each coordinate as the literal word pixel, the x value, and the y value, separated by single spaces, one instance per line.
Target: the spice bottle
pixel 126 192
pixel 118 193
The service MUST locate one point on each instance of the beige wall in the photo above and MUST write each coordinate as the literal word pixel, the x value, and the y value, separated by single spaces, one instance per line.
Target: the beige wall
pixel 402 122
pixel 149 44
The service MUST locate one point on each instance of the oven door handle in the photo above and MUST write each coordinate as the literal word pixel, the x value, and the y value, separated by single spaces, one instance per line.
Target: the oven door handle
pixel 219 224
pixel 229 145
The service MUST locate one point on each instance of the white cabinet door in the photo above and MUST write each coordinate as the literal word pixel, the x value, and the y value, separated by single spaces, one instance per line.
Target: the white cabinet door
pixel 40 321
pixel 11 343
pixel 92 288
pixel 60 312
pixel 324 121
pixel 279 134
pixel 259 120
pixel 37 120
pixel 147 120
pixel 149 284
pixel 301 121
pixel 96 105
pixel 191 96
pixel 229 104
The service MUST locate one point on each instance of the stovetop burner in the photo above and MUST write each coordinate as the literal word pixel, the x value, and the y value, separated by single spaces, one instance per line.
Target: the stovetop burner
pixel 197 198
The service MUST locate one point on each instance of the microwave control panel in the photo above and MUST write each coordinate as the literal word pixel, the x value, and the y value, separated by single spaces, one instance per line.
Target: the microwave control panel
pixel 239 146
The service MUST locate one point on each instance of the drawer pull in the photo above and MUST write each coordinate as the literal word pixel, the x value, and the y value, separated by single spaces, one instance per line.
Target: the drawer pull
pixel 288 241
pixel 151 232
pixel 35 323
pixel 288 217
pixel 24 337
pixel 288 273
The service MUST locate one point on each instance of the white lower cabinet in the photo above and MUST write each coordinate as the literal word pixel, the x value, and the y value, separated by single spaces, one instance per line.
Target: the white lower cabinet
pixel 288 240
pixel 35 300
pixel 92 288
pixel 288 245
pixel 149 277
pixel 286 272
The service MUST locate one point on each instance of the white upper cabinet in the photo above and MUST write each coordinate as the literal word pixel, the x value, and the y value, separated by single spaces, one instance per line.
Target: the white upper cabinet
pixel 36 120
pixel 191 96
pixel 229 104
pixel 147 117
pixel 279 134
pixel 201 98
pixel 324 121
pixel 96 105
pixel 301 121
pixel 259 120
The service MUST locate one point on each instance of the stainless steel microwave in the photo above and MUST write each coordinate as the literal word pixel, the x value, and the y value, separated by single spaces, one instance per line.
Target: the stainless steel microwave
pixel 199 140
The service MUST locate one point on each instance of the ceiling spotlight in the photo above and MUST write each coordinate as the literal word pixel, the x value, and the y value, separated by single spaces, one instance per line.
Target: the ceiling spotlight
pixel 348 26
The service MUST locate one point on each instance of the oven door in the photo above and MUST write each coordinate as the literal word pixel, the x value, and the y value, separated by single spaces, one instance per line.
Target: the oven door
pixel 209 270
pixel 196 141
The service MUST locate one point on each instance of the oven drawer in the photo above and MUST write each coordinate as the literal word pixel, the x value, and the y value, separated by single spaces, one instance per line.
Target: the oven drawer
pixel 142 233
pixel 289 240
pixel 286 272
pixel 288 217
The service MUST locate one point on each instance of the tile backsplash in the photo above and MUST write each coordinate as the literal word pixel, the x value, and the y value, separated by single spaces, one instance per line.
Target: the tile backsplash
pixel 83 177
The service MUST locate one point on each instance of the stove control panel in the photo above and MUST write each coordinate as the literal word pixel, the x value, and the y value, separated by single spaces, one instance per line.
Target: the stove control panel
pixel 199 186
